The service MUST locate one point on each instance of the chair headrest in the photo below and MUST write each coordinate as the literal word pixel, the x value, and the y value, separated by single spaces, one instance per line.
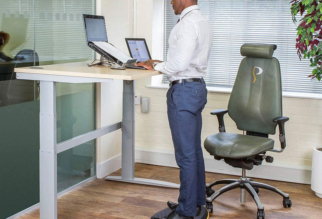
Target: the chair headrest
pixel 258 50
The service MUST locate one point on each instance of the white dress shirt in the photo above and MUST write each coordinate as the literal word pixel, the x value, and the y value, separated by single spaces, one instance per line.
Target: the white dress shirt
pixel 190 43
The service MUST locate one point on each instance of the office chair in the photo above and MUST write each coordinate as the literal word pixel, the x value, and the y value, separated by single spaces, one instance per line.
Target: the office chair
pixel 255 106
pixel 23 90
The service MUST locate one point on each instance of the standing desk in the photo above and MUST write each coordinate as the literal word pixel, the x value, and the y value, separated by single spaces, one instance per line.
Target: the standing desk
pixel 49 148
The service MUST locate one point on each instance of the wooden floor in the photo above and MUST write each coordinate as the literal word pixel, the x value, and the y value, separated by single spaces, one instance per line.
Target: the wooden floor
pixel 114 200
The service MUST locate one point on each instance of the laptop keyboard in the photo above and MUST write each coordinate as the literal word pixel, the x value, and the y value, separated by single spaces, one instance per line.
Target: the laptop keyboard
pixel 135 67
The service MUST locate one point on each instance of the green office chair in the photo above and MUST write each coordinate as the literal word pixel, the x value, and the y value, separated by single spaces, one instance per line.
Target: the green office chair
pixel 255 106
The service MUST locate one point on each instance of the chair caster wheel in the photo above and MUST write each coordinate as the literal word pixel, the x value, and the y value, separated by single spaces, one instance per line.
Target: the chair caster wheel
pixel 287 203
pixel 260 214
pixel 256 189
pixel 210 191
pixel 210 207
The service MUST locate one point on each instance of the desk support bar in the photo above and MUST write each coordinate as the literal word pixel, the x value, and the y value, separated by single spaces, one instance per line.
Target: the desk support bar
pixel 48 153
pixel 60 78
pixel 63 146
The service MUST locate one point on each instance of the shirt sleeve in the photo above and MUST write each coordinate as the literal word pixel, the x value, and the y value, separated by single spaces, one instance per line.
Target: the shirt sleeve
pixel 185 49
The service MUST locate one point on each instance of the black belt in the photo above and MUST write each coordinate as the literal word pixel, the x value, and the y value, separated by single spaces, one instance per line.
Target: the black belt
pixel 188 80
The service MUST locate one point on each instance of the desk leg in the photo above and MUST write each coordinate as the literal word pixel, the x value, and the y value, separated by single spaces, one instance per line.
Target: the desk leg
pixel 128 142
pixel 47 153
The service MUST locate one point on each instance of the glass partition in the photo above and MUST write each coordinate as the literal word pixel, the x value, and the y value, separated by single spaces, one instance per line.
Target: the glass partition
pixel 41 32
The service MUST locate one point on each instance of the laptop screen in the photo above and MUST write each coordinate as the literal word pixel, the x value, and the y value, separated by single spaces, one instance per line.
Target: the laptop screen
pixel 138 49
pixel 95 28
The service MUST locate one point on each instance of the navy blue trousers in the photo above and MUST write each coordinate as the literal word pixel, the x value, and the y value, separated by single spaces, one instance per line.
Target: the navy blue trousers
pixel 185 104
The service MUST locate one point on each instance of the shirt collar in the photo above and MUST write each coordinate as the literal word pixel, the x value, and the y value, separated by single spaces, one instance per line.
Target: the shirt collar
pixel 187 10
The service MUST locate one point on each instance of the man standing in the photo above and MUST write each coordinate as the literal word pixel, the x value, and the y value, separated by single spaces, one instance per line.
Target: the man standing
pixel 189 50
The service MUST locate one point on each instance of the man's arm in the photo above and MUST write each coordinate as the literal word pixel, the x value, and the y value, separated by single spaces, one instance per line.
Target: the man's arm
pixel 186 45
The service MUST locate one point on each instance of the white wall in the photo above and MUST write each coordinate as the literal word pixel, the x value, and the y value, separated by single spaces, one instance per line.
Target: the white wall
pixel 153 137
pixel 303 131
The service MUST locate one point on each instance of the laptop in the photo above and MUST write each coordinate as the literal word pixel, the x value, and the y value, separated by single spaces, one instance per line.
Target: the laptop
pixel 96 39
pixel 138 50
pixel 95 28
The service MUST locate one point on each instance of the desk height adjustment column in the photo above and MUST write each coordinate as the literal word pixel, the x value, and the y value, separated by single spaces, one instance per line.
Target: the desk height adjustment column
pixel 128 142
pixel 128 134
pixel 48 152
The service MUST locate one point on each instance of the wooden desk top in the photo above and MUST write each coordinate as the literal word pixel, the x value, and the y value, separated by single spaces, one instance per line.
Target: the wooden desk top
pixel 80 69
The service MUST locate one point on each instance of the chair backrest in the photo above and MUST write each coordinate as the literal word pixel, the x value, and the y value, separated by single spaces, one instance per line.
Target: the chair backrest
pixel 23 90
pixel 256 98
pixel 26 58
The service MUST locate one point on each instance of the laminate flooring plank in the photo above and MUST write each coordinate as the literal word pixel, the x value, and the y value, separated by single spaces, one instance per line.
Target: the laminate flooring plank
pixel 101 199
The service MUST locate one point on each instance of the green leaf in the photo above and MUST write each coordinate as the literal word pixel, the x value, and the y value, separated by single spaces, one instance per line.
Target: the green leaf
pixel 312 8
pixel 308 31
pixel 314 71
pixel 319 6
pixel 309 20
pixel 312 30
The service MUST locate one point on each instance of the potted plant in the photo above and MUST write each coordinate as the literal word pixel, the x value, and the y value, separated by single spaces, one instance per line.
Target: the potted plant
pixel 316 182
pixel 309 45
pixel 309 33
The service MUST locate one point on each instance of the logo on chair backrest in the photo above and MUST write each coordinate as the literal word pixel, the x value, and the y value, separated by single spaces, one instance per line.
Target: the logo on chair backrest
pixel 259 73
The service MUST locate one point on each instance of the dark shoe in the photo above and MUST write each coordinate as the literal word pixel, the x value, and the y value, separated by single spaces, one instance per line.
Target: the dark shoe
pixel 173 206
pixel 198 210
pixel 175 215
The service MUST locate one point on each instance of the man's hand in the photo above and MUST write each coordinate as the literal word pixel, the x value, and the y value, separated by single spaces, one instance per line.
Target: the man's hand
pixel 147 64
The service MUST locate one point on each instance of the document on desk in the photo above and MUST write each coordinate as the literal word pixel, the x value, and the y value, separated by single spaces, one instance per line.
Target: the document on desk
pixel 113 51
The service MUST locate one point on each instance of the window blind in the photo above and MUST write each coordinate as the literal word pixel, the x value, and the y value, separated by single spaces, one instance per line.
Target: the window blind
pixel 59 25
pixel 53 28
pixel 235 22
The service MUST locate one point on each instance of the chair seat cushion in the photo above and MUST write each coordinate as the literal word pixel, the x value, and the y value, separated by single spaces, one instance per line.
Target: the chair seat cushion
pixel 231 145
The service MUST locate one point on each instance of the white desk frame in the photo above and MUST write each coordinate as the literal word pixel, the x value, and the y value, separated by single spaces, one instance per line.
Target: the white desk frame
pixel 48 138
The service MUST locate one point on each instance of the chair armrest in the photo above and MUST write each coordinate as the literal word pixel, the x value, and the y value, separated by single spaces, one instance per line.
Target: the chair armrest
pixel 220 116
pixel 281 125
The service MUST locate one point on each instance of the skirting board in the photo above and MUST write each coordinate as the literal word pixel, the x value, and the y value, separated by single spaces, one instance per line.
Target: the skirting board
pixel 36 206
pixel 265 171
pixel 107 167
